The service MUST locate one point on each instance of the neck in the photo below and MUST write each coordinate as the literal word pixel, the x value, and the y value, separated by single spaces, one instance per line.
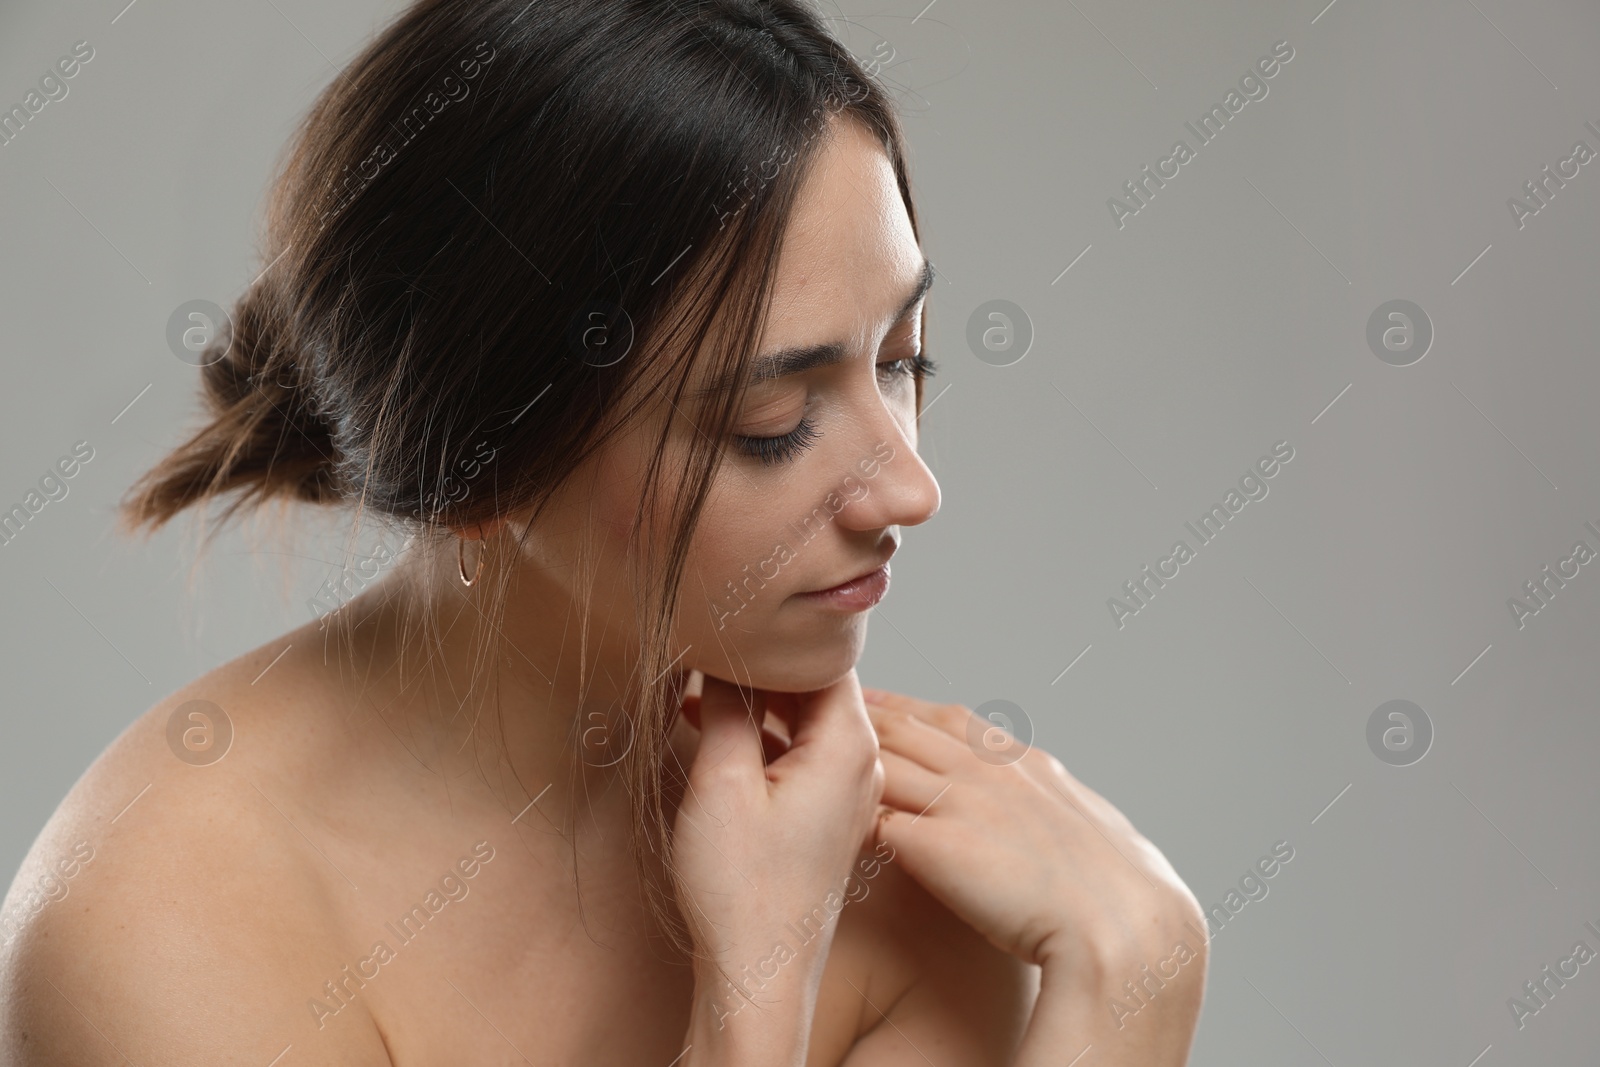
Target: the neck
pixel 521 699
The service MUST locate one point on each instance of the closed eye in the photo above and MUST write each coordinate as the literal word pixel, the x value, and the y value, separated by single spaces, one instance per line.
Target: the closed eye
pixel 913 367
pixel 782 448
pixel 786 446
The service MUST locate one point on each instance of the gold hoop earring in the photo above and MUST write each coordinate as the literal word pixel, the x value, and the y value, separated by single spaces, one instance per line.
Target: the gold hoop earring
pixel 461 562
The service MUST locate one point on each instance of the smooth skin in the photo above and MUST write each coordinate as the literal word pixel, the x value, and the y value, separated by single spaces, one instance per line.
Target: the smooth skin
pixel 225 899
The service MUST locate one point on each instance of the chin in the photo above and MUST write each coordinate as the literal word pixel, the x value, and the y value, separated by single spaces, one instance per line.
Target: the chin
pixel 788 660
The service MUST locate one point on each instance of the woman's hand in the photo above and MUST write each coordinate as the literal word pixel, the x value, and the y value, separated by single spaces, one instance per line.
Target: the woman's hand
pixel 1049 871
pixel 761 846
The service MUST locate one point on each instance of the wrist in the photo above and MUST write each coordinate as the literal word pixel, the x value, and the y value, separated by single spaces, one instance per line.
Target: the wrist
pixel 722 1035
pixel 755 1023
pixel 1077 961
pixel 1092 958
pixel 1111 990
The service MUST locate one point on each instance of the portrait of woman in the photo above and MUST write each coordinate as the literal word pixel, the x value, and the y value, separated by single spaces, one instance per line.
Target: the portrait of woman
pixel 609 315
pixel 798 533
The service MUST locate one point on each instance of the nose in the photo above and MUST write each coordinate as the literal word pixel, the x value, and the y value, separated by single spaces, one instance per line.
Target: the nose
pixel 899 489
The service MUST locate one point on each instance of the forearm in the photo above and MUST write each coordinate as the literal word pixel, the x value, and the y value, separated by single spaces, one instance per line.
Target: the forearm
pixel 728 1030
pixel 1061 1026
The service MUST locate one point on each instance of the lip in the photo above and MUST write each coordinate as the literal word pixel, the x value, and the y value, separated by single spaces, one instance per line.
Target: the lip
pixel 856 594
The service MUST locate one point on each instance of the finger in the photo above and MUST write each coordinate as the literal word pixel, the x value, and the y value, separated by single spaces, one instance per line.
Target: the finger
pixel 953 719
pixel 784 709
pixel 690 709
pixel 909 736
pixel 990 738
pixel 825 720
pixel 728 731
pixel 776 721
pixel 888 699
pixel 913 842
pixel 909 786
pixel 773 743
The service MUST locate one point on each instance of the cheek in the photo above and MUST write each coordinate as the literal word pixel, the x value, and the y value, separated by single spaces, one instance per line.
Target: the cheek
pixel 615 511
pixel 750 551
pixel 615 487
pixel 736 540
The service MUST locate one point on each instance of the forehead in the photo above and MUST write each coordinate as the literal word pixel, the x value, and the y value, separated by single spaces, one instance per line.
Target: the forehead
pixel 847 261
pixel 849 254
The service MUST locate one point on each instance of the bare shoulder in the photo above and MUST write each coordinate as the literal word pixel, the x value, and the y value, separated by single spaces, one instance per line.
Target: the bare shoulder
pixel 900 954
pixel 153 919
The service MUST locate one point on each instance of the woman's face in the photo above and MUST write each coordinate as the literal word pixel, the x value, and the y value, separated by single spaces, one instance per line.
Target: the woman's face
pixel 822 469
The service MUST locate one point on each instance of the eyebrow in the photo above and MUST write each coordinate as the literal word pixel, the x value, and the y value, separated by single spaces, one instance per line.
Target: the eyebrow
pixel 785 361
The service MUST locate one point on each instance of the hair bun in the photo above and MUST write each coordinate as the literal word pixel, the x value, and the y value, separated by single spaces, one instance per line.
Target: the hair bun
pixel 267 436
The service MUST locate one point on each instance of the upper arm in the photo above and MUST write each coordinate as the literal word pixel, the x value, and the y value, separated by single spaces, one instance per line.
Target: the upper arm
pixel 98 989
pixel 177 934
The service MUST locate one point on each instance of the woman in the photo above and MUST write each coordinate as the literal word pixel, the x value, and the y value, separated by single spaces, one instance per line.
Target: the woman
pixel 614 307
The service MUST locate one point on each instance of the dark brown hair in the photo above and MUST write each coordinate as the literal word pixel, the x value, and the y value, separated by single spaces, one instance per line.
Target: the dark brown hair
pixel 512 225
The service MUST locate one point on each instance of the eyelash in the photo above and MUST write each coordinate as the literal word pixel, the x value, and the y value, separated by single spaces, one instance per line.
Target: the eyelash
pixel 785 447
pixel 780 449
pixel 917 366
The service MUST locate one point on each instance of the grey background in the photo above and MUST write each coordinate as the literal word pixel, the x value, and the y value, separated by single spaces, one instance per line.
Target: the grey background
pixel 1224 317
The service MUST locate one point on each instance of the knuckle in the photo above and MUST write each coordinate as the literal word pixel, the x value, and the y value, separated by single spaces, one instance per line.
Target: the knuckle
pixel 894 719
pixel 868 757
pixel 722 776
pixel 1187 905
pixel 858 748
pixel 1039 760
pixel 880 777
pixel 1178 907
pixel 1063 779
